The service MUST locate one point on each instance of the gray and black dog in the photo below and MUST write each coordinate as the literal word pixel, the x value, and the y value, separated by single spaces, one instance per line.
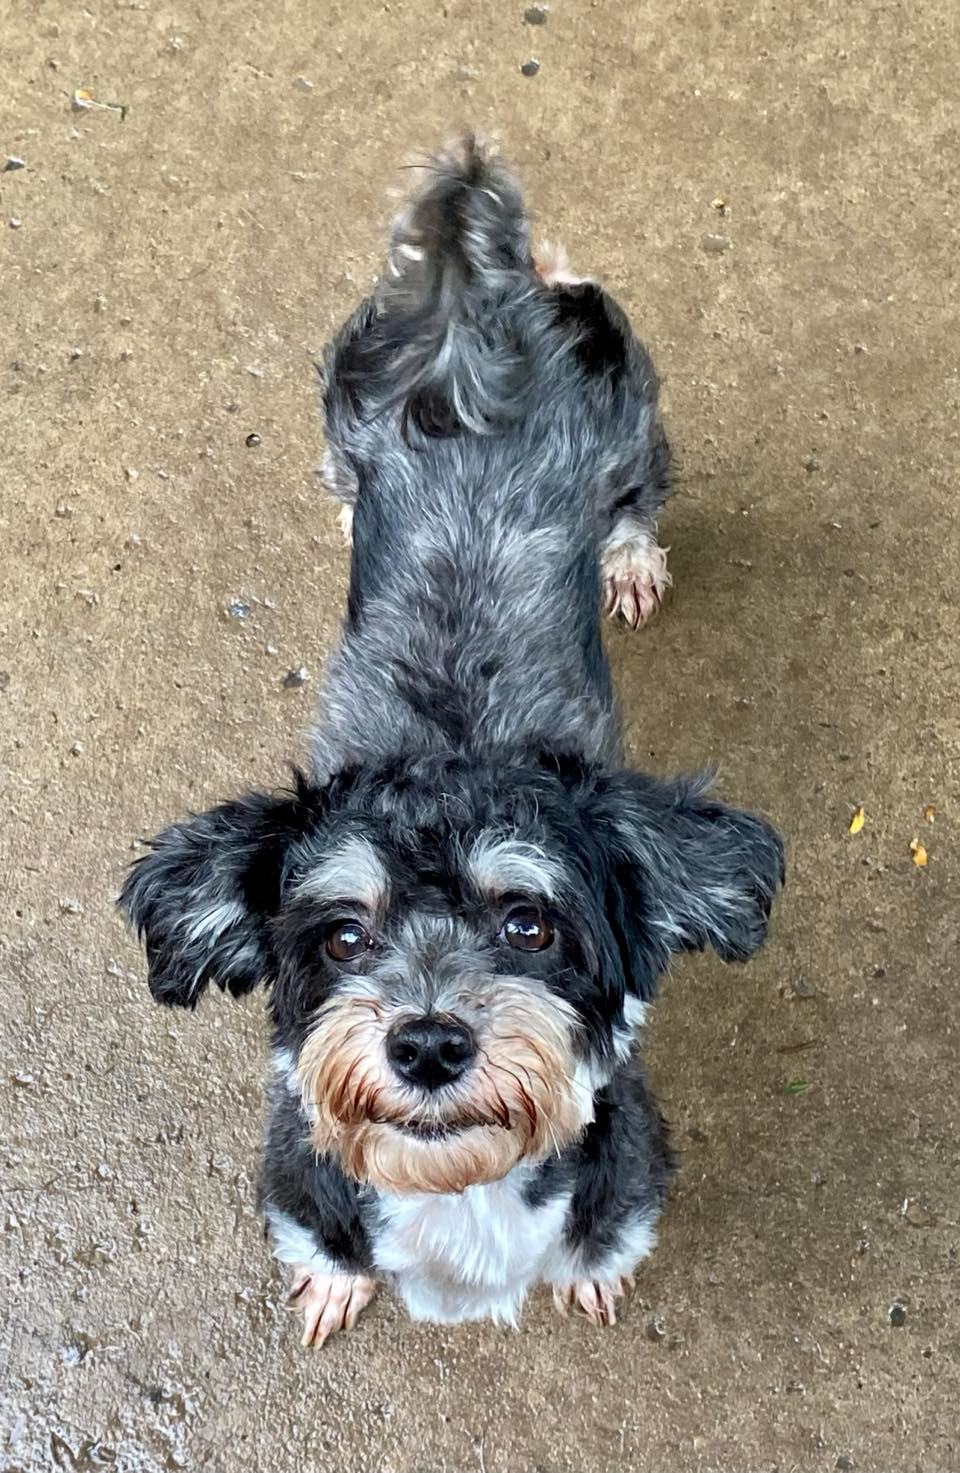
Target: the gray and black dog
pixel 462 911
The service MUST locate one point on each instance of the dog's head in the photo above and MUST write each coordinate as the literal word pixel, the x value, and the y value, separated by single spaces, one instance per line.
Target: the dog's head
pixel 457 956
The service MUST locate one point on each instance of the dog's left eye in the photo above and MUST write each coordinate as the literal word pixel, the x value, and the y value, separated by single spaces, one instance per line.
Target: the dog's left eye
pixel 348 940
pixel 525 929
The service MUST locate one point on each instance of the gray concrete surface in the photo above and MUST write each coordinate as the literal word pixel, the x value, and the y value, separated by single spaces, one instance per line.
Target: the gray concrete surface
pixel 170 279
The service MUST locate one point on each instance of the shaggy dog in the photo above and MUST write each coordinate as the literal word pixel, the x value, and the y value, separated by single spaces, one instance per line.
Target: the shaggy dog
pixel 463 910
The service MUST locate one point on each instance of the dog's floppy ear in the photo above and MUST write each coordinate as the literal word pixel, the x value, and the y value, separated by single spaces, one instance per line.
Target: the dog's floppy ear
pixel 686 872
pixel 202 901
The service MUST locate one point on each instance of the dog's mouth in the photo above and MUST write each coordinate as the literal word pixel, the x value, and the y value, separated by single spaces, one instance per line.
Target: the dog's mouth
pixel 435 1131
pixel 429 1130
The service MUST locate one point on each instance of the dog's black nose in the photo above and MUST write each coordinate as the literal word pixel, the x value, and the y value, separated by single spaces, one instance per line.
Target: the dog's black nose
pixel 430 1052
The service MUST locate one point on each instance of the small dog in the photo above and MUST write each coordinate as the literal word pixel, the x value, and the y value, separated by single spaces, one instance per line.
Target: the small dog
pixel 463 911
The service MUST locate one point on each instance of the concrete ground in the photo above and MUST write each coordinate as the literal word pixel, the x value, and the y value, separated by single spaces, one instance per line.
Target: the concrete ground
pixel 165 281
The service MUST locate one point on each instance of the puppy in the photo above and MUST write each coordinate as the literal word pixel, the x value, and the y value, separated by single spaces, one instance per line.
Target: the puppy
pixel 462 912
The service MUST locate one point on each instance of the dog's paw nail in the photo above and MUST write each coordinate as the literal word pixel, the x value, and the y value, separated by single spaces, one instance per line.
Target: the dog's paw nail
pixel 634 600
pixel 297 1289
pixel 563 1298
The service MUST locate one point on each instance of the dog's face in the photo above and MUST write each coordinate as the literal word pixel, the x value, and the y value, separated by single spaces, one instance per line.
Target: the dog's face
pixel 457 956
pixel 446 976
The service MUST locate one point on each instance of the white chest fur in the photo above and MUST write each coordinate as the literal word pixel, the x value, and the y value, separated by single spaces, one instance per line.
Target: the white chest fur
pixel 470 1256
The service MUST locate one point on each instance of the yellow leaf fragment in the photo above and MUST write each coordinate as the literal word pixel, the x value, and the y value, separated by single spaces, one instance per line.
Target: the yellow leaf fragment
pixel 930 813
pixel 83 99
pixel 858 820
pixel 918 852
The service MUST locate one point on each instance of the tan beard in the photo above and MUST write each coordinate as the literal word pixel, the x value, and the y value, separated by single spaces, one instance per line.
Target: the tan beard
pixel 519 1101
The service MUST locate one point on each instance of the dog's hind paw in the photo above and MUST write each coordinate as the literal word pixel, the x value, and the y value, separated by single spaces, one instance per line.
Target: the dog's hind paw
pixel 633 567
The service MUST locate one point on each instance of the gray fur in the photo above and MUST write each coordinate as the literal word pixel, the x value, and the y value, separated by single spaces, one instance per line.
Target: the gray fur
pixel 476 549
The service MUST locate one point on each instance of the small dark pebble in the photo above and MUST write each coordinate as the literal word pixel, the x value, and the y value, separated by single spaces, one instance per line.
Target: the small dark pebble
pixel 811 463
pixel 294 679
pixel 252 441
pixel 656 1330
pixel 99 1454
pixel 698 1135
pixel 531 67
pixel 14 162
pixel 897 1315
pixel 535 15
pixel 4 679
pixel 843 1464
pixel 917 1215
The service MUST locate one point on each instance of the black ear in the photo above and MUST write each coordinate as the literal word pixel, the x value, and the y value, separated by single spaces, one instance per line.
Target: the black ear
pixel 203 900
pixel 687 871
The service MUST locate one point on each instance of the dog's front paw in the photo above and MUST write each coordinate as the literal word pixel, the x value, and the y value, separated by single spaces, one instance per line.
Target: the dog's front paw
pixel 328 1302
pixel 594 1298
pixel 635 577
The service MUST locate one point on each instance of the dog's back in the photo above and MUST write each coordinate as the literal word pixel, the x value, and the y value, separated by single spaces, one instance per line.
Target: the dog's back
pixel 489 421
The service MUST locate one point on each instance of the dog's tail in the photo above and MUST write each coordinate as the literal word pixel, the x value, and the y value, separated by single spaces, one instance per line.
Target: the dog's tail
pixel 448 343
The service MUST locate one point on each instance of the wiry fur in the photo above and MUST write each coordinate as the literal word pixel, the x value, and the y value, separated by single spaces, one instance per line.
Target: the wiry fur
pixel 523 1098
pixel 493 424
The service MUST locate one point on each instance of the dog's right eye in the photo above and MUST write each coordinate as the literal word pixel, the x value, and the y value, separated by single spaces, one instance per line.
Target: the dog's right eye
pixel 348 940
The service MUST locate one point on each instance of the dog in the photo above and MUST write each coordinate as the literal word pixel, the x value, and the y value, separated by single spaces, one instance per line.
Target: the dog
pixel 462 911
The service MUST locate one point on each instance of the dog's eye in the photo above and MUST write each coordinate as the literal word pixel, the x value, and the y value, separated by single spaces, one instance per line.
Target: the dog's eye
pixel 347 941
pixel 526 930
